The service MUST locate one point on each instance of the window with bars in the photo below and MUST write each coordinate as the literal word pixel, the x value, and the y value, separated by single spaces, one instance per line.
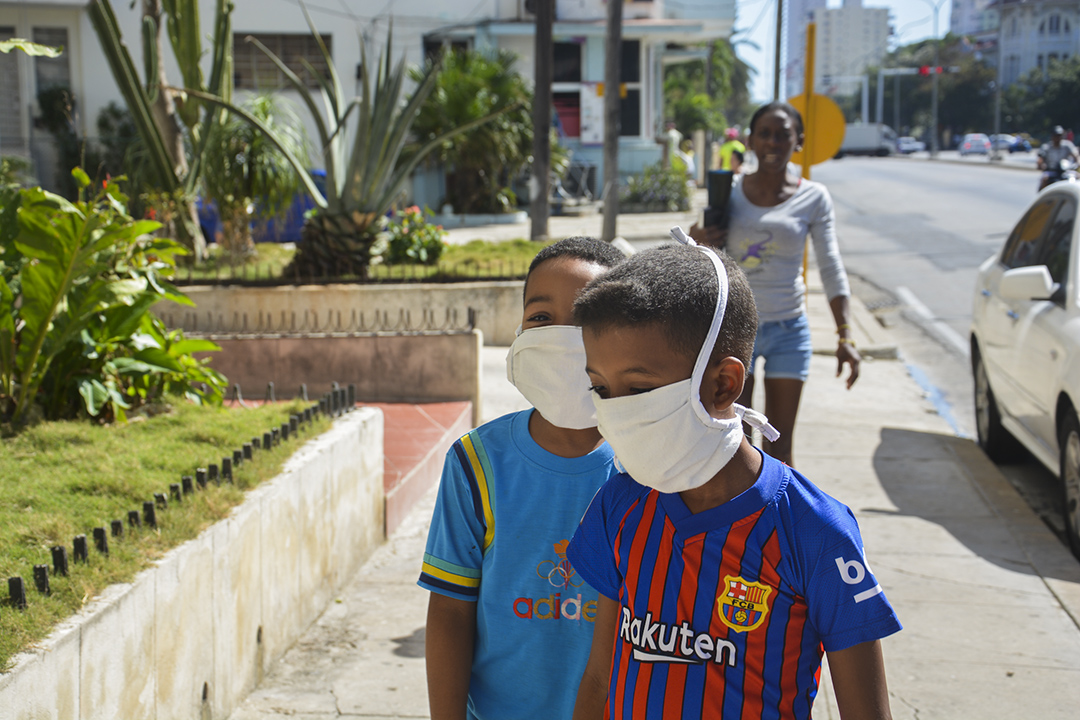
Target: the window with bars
pixel 253 70
pixel 52 72
pixel 11 137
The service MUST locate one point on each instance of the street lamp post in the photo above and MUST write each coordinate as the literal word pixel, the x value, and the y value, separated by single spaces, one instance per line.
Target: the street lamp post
pixel 934 147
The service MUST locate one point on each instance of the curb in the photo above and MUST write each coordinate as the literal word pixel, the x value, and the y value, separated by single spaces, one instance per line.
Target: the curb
pixel 957 161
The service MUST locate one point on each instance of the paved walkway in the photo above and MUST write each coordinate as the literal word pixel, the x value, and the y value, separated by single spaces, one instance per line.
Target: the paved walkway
pixel 989 598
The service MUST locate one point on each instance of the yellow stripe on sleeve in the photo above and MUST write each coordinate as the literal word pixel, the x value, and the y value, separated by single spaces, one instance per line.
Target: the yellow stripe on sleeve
pixel 450 577
pixel 482 484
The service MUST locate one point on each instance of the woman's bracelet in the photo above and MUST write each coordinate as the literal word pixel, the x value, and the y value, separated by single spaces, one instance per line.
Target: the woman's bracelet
pixel 847 341
pixel 841 328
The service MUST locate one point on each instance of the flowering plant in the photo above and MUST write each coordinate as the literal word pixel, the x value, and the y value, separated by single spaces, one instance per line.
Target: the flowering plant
pixel 412 239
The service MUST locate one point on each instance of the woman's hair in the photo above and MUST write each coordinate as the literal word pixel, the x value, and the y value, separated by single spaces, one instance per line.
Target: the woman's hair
pixel 673 287
pixel 786 108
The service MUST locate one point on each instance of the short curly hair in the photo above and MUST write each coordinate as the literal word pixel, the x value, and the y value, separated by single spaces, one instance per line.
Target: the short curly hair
pixel 674 287
pixel 578 247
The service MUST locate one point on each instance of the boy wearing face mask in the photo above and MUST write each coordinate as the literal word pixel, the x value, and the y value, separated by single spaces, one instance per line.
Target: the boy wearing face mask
pixel 722 572
pixel 509 622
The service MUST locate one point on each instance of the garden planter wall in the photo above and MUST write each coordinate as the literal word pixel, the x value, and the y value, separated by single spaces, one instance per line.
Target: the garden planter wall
pixel 233 308
pixel 384 367
pixel 193 635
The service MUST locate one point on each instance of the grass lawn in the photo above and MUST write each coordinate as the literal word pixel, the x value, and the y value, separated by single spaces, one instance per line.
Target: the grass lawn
pixel 476 259
pixel 62 479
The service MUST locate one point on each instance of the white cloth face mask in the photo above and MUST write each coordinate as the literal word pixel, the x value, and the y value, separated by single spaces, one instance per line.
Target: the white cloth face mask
pixel 665 438
pixel 547 365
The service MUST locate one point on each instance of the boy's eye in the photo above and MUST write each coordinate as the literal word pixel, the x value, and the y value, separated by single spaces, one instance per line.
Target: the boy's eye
pixel 538 317
pixel 599 390
pixel 640 390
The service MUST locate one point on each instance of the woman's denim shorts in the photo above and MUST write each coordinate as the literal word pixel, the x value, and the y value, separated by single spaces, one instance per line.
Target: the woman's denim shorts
pixel 786 347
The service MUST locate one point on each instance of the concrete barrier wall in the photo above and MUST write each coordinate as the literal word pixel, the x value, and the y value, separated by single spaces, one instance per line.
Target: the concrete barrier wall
pixel 227 308
pixel 384 367
pixel 192 636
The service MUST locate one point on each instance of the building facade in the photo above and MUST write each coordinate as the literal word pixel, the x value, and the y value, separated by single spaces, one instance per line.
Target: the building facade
pixel 850 39
pixel 1034 33
pixel 419 27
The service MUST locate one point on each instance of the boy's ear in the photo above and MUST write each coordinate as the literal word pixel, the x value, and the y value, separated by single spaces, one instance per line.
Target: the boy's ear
pixel 722 385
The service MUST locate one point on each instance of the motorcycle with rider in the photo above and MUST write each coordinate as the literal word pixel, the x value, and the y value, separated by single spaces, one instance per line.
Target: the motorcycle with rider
pixel 1057 159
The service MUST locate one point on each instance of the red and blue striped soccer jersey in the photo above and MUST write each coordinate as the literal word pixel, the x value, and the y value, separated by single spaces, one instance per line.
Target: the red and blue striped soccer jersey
pixel 725 613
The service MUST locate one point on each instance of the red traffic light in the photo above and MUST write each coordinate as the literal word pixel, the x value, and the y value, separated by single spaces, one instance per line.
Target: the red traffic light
pixel 927 69
pixel 924 70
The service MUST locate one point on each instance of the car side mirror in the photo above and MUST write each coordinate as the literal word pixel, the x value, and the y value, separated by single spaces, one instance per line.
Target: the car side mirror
pixel 1027 283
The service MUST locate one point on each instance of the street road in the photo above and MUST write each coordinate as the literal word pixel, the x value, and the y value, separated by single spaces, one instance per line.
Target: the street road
pixel 913 234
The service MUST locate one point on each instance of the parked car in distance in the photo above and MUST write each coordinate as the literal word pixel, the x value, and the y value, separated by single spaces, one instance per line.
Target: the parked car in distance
pixel 1025 345
pixel 974 144
pixel 1012 143
pixel 907 145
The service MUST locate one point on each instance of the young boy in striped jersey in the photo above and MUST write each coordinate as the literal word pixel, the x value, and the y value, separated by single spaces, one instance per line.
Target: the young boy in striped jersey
pixel 509 623
pixel 723 574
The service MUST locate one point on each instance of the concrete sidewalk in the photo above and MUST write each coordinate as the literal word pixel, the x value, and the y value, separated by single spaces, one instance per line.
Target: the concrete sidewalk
pixel 989 598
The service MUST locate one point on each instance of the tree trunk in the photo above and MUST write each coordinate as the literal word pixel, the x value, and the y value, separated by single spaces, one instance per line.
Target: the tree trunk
pixel 541 167
pixel 611 120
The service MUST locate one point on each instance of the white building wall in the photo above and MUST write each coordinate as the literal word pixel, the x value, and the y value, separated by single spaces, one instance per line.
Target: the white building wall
pixel 849 39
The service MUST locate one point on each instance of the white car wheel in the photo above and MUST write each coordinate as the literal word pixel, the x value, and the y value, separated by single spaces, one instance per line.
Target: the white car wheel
pixel 1070 479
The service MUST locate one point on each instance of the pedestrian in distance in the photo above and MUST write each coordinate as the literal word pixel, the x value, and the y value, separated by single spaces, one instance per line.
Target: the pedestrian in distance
pixel 771 211
pixel 722 572
pixel 730 146
pixel 509 622
pixel 1052 154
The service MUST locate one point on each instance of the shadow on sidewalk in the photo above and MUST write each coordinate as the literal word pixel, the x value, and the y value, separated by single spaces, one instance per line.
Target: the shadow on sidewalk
pixel 950 482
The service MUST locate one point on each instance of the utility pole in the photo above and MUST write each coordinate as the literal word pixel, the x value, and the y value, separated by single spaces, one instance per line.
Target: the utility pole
pixel 611 119
pixel 879 108
pixel 541 165
pixel 896 103
pixel 996 155
pixel 779 40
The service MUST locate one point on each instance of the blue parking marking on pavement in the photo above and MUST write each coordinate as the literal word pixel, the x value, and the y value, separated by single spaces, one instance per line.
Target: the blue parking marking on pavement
pixel 936 398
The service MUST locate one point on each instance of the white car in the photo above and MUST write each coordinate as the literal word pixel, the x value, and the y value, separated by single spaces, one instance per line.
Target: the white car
pixel 1025 344
pixel 907 145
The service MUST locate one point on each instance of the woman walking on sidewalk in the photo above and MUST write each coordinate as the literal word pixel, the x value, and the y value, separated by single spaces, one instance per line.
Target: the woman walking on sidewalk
pixel 771 211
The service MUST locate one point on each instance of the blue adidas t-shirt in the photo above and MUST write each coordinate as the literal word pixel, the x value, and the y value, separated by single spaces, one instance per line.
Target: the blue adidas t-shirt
pixel 724 613
pixel 505 512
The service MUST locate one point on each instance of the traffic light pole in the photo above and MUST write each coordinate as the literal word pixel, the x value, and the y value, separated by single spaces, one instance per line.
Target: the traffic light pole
pixel 934 144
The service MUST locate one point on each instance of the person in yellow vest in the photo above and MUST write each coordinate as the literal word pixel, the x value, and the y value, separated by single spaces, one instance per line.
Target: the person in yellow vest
pixel 731 145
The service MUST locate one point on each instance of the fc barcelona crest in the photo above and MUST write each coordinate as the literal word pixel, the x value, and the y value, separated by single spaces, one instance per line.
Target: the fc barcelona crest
pixel 744 604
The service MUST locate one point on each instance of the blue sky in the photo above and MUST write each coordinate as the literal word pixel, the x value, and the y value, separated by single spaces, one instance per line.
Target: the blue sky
pixel 911 19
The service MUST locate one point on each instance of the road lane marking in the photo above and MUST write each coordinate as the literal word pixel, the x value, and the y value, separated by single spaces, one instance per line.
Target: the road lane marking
pixel 935 326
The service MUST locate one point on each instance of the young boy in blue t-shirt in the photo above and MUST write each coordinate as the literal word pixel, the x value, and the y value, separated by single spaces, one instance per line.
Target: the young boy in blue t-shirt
pixel 509 622
pixel 722 572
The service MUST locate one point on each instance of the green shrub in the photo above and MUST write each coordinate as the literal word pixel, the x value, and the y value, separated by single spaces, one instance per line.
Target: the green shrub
pixel 412 239
pixel 657 188
pixel 77 281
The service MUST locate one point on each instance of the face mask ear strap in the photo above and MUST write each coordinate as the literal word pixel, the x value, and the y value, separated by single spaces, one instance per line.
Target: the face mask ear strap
pixel 714 329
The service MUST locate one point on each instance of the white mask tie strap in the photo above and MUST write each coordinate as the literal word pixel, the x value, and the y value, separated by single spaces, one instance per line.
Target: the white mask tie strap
pixel 757 421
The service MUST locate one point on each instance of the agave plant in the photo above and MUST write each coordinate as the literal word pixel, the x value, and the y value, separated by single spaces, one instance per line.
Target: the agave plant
pixel 163 118
pixel 363 178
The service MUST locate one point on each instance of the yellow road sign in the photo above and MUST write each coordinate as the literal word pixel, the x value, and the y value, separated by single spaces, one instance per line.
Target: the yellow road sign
pixel 824 127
